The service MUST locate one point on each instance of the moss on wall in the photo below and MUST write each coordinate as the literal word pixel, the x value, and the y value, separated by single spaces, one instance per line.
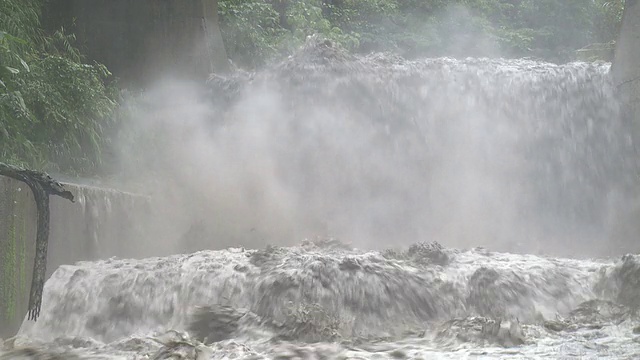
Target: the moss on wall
pixel 16 209
pixel 102 223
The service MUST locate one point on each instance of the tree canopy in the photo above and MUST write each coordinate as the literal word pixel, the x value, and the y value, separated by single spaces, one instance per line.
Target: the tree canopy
pixel 256 31
pixel 55 108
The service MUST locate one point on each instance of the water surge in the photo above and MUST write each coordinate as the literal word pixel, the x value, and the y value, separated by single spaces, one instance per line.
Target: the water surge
pixel 520 169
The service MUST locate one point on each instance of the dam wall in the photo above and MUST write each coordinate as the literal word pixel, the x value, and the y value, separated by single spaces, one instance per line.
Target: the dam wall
pixel 140 40
pixel 101 223
pixel 626 63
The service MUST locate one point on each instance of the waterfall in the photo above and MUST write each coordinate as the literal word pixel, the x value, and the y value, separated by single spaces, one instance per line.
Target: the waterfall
pixel 492 158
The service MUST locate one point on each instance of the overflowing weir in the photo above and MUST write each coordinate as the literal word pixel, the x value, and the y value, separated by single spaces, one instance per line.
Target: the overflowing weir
pixel 97 225
pixel 515 155
pixel 321 300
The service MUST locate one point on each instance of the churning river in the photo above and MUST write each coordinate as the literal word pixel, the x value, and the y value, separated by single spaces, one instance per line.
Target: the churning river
pixel 518 156
pixel 321 300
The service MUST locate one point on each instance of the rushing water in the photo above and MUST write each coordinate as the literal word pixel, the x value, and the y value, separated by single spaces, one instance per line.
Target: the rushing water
pixel 513 155
pixel 324 300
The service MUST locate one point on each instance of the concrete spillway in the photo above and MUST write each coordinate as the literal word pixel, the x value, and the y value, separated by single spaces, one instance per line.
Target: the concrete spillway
pixel 98 225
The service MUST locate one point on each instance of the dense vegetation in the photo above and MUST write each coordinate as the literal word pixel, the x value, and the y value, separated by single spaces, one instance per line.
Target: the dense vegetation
pixel 56 113
pixel 55 109
pixel 257 30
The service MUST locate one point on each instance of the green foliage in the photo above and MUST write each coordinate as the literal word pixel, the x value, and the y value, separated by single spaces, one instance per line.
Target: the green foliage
pixel 564 27
pixel 257 30
pixel 54 109
pixel 607 19
pixel 306 18
pixel 251 31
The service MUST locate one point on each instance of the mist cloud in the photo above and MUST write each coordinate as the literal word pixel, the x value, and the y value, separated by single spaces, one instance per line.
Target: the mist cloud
pixel 376 151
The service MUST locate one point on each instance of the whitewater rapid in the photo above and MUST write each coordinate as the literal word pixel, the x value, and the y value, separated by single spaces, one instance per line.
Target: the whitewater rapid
pixel 523 156
pixel 324 300
pixel 513 154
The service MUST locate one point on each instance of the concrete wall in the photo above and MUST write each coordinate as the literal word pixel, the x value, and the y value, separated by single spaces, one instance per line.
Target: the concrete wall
pixel 17 249
pixel 626 63
pixel 139 39
pixel 626 74
pixel 101 223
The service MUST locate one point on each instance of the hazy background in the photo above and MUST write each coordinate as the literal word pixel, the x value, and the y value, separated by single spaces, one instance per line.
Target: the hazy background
pixel 510 155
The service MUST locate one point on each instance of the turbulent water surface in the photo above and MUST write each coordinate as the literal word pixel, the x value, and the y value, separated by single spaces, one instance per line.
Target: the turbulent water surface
pixel 515 155
pixel 480 152
pixel 324 300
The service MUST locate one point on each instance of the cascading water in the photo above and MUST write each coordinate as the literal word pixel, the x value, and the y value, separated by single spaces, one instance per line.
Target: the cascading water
pixel 98 223
pixel 510 154
pixel 295 302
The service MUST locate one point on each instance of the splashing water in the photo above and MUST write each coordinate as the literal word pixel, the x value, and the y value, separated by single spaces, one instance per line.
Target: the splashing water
pixel 322 300
pixel 511 154
pixel 514 155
